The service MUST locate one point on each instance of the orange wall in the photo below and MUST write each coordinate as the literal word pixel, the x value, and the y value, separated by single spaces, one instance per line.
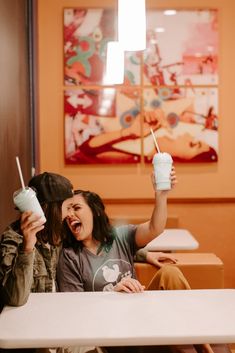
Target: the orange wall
pixel 212 225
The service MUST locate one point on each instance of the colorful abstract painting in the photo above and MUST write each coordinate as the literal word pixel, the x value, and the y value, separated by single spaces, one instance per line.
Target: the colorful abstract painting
pixel 171 87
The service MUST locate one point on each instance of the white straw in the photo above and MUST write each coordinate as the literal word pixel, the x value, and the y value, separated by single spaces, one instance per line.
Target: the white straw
pixel 20 172
pixel 155 141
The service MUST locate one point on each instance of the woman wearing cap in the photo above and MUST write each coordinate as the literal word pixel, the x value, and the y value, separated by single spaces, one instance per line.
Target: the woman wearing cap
pixel 29 249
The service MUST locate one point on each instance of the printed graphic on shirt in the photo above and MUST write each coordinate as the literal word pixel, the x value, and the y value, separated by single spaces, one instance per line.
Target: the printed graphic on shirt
pixel 110 273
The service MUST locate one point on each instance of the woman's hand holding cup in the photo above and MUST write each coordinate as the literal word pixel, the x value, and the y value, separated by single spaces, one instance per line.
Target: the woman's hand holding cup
pixel 30 224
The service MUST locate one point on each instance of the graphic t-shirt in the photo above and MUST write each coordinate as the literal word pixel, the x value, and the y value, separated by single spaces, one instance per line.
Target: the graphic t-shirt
pixel 81 270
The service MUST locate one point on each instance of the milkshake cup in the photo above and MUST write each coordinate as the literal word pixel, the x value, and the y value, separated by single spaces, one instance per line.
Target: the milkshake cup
pixel 26 200
pixel 162 164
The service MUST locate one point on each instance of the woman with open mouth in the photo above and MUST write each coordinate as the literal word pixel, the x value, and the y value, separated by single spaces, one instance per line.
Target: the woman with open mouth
pixel 100 257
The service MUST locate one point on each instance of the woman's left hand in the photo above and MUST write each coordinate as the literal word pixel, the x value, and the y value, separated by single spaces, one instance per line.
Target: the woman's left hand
pixel 173 178
pixel 160 259
pixel 129 285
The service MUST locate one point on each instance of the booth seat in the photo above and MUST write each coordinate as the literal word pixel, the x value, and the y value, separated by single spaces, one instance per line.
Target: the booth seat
pixel 202 270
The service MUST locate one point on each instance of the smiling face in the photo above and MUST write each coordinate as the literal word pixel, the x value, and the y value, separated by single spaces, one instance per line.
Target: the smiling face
pixel 80 219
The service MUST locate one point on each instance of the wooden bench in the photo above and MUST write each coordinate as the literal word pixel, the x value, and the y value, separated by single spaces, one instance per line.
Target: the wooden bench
pixel 202 270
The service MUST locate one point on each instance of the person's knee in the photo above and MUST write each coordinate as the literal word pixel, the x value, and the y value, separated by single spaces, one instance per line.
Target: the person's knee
pixel 172 278
pixel 170 271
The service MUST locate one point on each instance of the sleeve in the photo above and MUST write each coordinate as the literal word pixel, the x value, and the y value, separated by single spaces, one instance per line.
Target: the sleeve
pixel 68 274
pixel 140 255
pixel 16 270
pixel 126 233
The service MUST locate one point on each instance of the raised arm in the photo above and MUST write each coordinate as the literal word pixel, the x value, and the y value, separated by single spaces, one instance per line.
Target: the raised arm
pixel 149 230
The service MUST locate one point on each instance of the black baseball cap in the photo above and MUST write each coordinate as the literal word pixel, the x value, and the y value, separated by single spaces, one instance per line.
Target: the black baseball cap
pixel 51 187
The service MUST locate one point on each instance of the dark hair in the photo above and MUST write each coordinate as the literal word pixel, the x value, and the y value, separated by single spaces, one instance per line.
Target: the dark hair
pixel 51 187
pixel 53 228
pixel 102 229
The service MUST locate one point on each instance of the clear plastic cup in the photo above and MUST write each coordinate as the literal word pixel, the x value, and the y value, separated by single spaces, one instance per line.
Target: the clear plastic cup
pixel 162 164
pixel 26 200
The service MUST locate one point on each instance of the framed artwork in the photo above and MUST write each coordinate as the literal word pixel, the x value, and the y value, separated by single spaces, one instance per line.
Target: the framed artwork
pixel 171 87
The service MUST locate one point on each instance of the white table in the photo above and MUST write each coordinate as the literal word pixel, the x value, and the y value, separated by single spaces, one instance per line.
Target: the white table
pixel 108 318
pixel 173 239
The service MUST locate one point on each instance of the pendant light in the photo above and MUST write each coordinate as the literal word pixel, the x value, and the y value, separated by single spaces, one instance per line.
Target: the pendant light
pixel 132 24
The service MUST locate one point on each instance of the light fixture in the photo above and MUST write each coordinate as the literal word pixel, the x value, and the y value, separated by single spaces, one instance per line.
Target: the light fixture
pixel 132 24
pixel 114 64
pixel 170 12
pixel 159 30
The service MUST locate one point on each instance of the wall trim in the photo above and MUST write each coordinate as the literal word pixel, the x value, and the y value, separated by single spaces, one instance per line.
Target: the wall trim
pixel 192 200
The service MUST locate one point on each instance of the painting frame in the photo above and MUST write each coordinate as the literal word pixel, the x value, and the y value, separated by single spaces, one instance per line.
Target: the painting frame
pixel 173 89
